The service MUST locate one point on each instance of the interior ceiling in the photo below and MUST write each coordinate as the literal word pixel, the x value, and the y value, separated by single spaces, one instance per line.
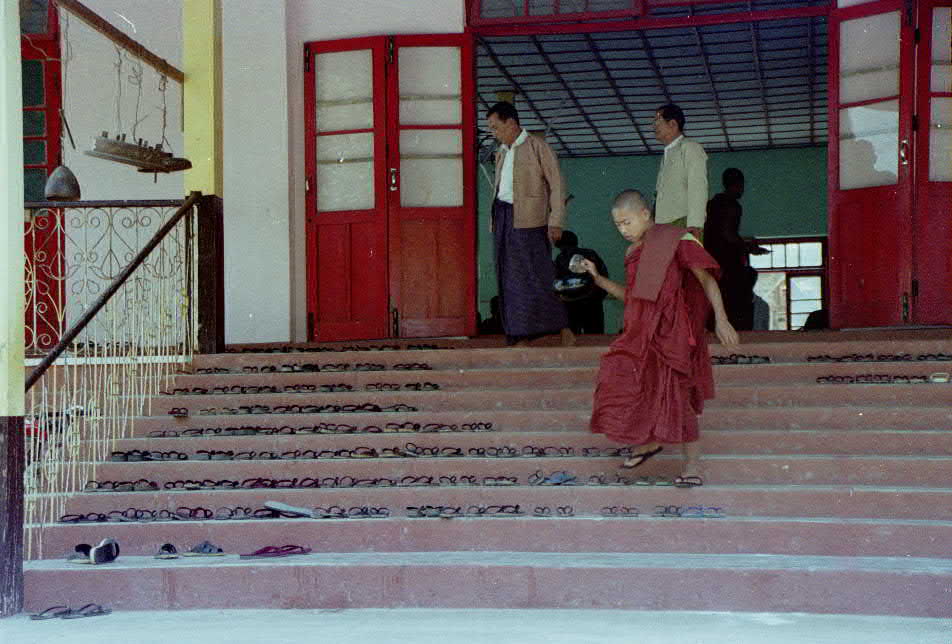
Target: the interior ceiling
pixel 744 85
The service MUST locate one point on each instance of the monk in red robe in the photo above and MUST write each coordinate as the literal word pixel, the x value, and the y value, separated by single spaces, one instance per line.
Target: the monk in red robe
pixel 654 380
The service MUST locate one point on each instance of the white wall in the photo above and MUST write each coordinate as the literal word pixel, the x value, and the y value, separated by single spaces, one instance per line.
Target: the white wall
pixel 310 20
pixel 257 217
pixel 91 87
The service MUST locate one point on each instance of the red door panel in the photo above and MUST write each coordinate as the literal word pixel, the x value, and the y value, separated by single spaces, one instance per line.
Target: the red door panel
pixel 347 256
pixel 870 169
pixel 433 247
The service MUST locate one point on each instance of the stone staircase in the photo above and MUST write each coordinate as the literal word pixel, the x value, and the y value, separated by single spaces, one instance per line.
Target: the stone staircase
pixel 828 498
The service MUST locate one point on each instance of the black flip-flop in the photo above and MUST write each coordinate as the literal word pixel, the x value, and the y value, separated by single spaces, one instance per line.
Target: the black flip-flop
pixel 89 610
pixel 639 459
pixel 688 481
pixel 51 613
pixel 167 551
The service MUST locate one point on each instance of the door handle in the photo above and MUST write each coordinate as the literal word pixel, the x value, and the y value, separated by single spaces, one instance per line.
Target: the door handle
pixel 393 179
pixel 904 151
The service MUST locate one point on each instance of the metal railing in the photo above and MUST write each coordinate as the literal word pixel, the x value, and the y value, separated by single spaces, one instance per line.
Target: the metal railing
pixel 111 314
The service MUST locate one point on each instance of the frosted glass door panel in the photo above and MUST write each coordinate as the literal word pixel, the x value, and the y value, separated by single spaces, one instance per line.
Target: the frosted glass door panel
pixel 345 186
pixel 869 58
pixel 430 86
pixel 345 148
pixel 842 4
pixel 869 145
pixel 344 90
pixel 431 168
pixel 941 50
pixel 940 140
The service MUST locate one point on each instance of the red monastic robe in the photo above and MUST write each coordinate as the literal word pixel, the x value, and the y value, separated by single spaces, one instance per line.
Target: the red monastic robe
pixel 653 381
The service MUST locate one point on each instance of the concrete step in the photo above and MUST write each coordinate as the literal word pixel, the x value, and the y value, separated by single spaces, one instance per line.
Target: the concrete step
pixel 729 535
pixel 557 377
pixel 562 356
pixel 812 469
pixel 779 500
pixel 574 398
pixel 920 417
pixel 715 441
pixel 738 582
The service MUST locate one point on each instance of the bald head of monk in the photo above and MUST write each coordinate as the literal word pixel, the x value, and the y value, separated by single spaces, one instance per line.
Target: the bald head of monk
pixel 631 215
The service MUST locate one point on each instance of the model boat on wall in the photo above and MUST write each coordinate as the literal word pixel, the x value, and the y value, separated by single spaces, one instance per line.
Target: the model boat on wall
pixel 140 154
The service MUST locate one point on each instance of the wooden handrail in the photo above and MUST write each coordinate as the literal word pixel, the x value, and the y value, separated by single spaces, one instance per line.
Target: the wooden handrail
pixel 101 301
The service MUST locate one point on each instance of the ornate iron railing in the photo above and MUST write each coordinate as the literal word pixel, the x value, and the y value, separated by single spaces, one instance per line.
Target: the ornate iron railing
pixel 110 316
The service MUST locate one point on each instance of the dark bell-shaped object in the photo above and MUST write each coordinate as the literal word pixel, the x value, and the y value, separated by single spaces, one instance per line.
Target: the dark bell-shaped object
pixel 62 185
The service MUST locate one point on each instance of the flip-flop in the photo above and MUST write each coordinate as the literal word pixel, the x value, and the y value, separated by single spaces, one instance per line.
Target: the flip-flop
pixel 639 459
pixel 276 551
pixel 204 549
pixel 51 613
pixel 89 610
pixel 290 509
pixel 688 481
pixel 167 551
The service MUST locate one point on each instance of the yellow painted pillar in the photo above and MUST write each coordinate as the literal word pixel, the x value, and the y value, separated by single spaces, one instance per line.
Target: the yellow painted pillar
pixel 11 213
pixel 11 312
pixel 201 63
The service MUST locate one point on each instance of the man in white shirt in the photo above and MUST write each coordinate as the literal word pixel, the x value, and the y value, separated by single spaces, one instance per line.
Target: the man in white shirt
pixel 681 189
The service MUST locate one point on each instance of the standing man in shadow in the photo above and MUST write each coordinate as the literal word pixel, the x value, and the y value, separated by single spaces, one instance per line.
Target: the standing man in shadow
pixel 583 299
pixel 528 215
pixel 681 189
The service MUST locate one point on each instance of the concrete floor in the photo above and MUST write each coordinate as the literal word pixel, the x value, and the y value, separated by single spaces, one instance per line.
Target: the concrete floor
pixel 434 626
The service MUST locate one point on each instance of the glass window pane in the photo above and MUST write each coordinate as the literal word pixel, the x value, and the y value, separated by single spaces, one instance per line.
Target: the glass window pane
pixel 431 168
pixel 761 261
pixel 941 50
pixel 778 255
pixel 34 122
pixel 34 184
pixel 500 8
pixel 547 7
pixel 793 255
pixel 34 152
pixel 940 140
pixel 869 57
pixel 804 306
pixel 806 287
pixel 344 90
pixel 345 148
pixel 811 254
pixel 430 86
pixel 798 320
pixel 869 145
pixel 345 186
pixel 34 16
pixel 33 91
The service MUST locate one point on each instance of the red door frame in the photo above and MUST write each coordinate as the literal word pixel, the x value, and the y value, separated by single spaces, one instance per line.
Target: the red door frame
pixel 343 292
pixel 381 281
pixel 932 255
pixel 464 215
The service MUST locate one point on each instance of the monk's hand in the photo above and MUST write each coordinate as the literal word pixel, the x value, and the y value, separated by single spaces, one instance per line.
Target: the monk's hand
pixel 589 267
pixel 555 234
pixel 726 333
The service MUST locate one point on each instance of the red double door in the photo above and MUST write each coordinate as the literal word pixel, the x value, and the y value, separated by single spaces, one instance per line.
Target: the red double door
pixel 890 163
pixel 391 230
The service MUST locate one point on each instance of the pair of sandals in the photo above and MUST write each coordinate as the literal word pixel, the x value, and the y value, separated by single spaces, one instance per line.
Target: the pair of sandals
pixel 203 549
pixel 65 612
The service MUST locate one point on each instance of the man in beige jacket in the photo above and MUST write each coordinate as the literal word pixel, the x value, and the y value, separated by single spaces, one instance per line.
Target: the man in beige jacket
pixel 528 215
pixel 681 190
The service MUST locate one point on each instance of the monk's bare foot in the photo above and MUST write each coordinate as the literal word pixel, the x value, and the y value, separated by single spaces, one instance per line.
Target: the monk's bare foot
pixel 639 458
pixel 568 337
